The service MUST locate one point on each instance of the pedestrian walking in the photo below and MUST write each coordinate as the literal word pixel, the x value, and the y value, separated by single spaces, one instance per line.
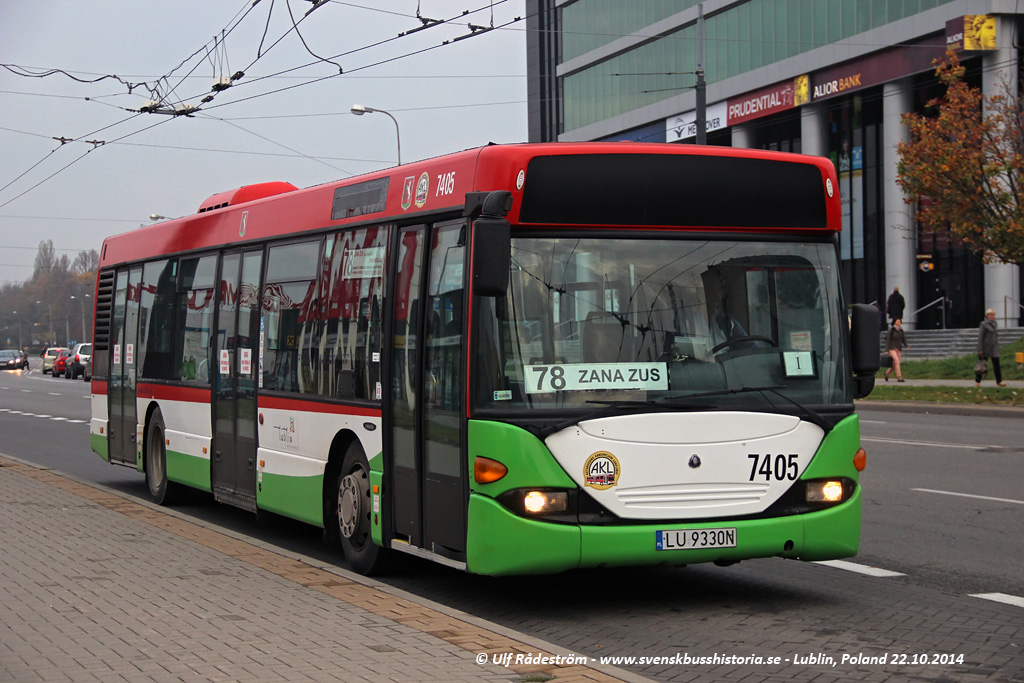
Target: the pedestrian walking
pixel 988 349
pixel 895 342
pixel 895 304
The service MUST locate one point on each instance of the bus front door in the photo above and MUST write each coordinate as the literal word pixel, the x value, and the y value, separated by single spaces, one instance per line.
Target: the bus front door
pixel 429 477
pixel 124 332
pixel 233 465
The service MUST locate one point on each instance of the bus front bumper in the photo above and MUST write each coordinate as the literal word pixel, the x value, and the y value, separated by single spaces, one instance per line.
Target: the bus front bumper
pixel 500 542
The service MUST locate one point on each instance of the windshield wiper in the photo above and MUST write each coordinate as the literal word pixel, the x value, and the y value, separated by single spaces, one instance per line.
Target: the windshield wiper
pixel 682 403
pixel 806 412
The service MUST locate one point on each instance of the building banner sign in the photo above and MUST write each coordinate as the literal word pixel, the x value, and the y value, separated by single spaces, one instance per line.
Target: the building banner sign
pixel 767 101
pixel 684 126
pixel 763 102
pixel 971 32
pixel 875 69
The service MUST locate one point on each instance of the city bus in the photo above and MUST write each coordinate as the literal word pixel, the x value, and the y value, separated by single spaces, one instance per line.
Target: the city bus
pixel 515 359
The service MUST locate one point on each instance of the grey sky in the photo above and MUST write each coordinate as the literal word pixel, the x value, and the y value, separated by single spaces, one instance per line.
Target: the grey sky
pixel 457 96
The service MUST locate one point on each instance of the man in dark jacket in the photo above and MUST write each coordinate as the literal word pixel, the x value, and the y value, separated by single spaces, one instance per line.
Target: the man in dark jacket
pixel 988 347
pixel 895 304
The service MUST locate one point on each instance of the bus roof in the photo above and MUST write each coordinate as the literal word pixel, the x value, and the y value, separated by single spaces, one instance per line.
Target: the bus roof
pixel 614 184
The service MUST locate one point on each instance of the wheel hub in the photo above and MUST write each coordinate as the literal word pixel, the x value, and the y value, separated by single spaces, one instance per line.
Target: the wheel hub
pixel 349 505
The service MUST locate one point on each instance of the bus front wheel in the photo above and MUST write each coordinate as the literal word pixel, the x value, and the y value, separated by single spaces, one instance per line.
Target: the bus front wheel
pixel 352 513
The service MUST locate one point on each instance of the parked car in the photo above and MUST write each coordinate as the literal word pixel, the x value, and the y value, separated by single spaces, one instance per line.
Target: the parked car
pixel 12 359
pixel 60 363
pixel 87 369
pixel 49 356
pixel 79 355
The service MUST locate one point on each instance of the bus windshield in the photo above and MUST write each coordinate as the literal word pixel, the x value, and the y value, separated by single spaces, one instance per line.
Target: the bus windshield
pixel 722 323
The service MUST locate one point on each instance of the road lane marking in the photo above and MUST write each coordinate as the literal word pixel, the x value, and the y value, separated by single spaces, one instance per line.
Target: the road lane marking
pixel 1000 597
pixel 971 495
pixel 860 568
pixel 69 420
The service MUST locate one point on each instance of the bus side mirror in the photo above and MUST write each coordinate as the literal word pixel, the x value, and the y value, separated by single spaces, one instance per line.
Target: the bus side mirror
pixel 863 348
pixel 492 245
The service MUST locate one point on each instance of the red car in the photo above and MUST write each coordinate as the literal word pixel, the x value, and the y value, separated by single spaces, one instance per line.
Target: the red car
pixel 60 363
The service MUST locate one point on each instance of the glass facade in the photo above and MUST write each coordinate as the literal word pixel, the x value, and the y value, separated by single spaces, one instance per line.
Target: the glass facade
pixel 742 38
pixel 854 128
pixel 593 23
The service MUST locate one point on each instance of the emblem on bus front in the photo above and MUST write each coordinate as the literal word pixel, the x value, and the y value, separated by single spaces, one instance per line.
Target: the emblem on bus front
pixel 601 471
pixel 694 461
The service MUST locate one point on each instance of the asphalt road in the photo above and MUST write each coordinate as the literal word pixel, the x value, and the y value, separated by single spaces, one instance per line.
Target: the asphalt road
pixel 943 523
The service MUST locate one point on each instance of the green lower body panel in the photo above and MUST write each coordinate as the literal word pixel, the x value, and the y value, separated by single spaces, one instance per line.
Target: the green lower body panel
pixel 189 470
pixel 99 446
pixel 500 542
pixel 825 535
pixel 300 498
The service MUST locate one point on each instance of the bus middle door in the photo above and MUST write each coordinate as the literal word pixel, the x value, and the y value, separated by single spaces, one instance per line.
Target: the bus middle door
pixel 233 466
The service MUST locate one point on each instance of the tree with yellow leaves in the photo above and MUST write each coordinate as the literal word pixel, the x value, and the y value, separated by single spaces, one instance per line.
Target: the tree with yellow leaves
pixel 966 160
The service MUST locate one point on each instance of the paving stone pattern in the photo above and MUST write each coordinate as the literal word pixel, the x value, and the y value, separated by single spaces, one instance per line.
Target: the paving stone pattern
pixel 96 587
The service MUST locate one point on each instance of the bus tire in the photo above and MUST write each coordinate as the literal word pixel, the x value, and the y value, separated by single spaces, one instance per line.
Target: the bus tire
pixel 161 491
pixel 352 508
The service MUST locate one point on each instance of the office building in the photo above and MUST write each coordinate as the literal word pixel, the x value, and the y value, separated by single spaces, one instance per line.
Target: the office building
pixel 823 77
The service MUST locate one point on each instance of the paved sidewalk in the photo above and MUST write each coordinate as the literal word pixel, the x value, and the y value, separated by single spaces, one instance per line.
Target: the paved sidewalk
pixel 98 587
pixel 987 383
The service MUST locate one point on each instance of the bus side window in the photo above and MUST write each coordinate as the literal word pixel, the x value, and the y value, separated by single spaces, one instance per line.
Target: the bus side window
pixel 352 291
pixel 194 319
pixel 290 311
pixel 157 313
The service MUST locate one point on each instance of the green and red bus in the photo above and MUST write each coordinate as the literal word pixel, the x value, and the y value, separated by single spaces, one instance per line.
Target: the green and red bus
pixel 513 359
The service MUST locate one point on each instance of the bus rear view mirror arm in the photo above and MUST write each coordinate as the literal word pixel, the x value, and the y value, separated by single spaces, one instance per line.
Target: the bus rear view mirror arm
pixel 864 347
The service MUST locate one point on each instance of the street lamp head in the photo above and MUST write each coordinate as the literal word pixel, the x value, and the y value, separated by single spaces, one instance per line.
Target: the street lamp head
pixel 157 217
pixel 360 109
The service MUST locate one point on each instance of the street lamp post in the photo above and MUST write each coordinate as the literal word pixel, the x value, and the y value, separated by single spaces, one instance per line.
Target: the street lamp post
pixel 82 301
pixel 20 344
pixel 49 308
pixel 359 110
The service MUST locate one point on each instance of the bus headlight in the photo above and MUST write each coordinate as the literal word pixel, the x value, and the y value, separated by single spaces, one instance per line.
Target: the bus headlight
pixel 551 505
pixel 825 491
pixel 545 502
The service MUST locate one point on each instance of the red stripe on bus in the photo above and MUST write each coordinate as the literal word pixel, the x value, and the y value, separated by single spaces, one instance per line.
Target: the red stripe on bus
pixel 168 392
pixel 276 403
pixel 99 387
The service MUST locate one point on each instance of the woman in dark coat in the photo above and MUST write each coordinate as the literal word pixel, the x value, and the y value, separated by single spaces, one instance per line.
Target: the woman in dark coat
pixel 895 342
pixel 988 347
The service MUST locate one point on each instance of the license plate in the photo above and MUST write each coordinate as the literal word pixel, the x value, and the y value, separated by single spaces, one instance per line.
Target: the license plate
pixel 693 539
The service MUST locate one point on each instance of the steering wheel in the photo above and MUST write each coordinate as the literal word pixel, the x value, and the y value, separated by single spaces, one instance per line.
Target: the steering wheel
pixel 737 340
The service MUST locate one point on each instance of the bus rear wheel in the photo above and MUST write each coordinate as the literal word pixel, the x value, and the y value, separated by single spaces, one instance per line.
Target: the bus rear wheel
pixel 352 507
pixel 161 491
